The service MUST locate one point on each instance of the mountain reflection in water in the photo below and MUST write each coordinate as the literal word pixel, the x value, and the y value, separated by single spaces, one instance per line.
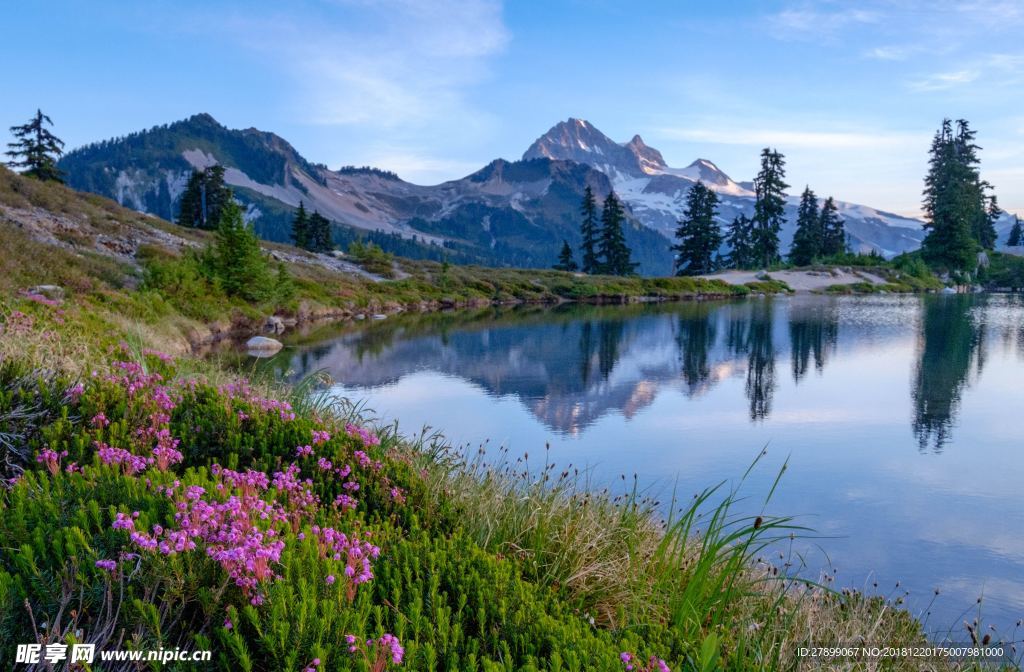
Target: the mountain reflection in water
pixel 573 364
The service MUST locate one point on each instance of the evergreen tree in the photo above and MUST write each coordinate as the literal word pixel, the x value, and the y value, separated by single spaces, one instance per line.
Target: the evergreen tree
pixel 36 149
pixel 769 208
pixel 565 260
pixel 237 260
pixel 319 234
pixel 205 196
pixel 698 234
pixel 589 232
pixel 217 193
pixel 954 199
pixel 738 237
pixel 612 248
pixel 284 286
pixel 190 210
pixel 833 232
pixel 300 227
pixel 986 234
pixel 1016 237
pixel 808 238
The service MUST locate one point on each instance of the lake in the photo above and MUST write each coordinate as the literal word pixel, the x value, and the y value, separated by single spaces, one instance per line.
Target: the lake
pixel 900 417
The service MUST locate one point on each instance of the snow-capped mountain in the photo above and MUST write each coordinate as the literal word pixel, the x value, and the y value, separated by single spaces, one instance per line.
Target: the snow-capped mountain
pixel 508 213
pixel 657 192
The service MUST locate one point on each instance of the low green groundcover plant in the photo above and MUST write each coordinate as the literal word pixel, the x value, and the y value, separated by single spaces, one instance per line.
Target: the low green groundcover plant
pixel 154 510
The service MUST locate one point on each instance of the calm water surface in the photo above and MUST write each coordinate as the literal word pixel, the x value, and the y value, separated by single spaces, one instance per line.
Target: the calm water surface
pixel 900 416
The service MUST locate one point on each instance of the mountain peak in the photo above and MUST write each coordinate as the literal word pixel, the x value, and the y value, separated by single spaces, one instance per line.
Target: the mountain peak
pixel 649 158
pixel 568 138
pixel 704 163
pixel 707 172
pixel 578 140
pixel 201 119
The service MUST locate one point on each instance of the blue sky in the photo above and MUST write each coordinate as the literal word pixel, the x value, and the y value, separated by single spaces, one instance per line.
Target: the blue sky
pixel 851 92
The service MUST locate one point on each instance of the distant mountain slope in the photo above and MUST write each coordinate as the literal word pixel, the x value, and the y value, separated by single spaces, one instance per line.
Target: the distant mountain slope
pixel 507 214
pixel 657 192
pixel 148 171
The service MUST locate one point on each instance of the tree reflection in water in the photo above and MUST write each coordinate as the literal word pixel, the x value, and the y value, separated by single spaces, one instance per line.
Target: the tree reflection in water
pixel 950 340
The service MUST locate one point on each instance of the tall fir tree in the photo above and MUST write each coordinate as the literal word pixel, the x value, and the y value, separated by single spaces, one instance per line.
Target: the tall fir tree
pixel 36 149
pixel 986 234
pixel 589 231
pixel 190 208
pixel 218 193
pixel 238 262
pixel 954 199
pixel 1016 237
pixel 698 234
pixel 565 260
pixel 769 208
pixel 833 231
pixel 319 234
pixel 300 227
pixel 738 238
pixel 205 196
pixel 808 237
pixel 613 252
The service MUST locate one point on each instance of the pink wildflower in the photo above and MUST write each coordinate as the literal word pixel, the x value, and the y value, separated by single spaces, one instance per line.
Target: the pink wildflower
pixel 51 459
pixel 366 436
pixel 379 653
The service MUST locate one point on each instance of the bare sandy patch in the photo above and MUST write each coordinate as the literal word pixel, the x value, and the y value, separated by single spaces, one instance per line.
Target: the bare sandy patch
pixel 801 281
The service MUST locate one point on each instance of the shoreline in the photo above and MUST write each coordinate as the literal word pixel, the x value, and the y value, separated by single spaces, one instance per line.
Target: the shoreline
pixel 247 328
pixel 321 316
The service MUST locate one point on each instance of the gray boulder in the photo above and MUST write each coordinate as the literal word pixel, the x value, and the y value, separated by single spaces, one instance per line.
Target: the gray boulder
pixel 261 345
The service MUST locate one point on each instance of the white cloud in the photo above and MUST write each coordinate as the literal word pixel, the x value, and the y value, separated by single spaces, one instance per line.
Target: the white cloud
pixel 1001 13
pixel 1008 63
pixel 808 22
pixel 888 53
pixel 943 81
pixel 780 137
pixel 382 64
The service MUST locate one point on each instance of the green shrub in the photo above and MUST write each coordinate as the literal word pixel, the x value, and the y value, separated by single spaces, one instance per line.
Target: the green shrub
pixel 372 258
pixel 1004 270
pixel 912 264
